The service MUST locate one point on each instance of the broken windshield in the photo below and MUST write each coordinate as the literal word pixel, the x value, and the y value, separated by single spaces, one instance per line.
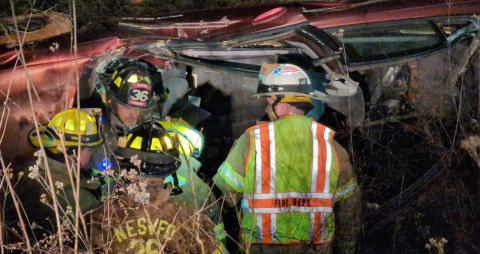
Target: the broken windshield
pixel 377 42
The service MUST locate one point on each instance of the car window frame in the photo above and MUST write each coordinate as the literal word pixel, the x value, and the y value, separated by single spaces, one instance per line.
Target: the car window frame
pixel 406 58
pixel 361 65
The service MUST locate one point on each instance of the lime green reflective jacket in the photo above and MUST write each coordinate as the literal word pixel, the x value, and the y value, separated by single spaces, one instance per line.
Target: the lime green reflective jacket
pixel 288 172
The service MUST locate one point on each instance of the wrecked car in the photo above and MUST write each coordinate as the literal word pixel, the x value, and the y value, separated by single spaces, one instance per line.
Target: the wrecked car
pixel 219 53
pixel 372 59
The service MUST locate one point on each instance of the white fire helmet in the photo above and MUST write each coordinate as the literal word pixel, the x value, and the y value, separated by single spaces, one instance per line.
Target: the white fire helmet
pixel 286 80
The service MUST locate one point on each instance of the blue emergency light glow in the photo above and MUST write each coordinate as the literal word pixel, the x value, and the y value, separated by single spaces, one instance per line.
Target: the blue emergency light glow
pixel 104 164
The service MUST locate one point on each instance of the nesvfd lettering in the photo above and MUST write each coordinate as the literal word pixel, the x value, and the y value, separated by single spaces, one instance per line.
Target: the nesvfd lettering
pixel 285 202
pixel 141 227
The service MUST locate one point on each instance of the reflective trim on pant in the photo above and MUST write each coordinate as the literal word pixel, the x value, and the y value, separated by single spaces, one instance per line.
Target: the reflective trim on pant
pixel 347 190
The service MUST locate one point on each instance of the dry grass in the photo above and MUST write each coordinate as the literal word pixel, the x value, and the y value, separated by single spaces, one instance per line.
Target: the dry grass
pixel 74 231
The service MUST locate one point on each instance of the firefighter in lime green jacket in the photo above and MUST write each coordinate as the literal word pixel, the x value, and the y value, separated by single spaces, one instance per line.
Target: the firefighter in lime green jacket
pixel 295 185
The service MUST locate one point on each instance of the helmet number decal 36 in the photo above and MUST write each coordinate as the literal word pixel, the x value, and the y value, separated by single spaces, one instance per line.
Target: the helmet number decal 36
pixel 139 94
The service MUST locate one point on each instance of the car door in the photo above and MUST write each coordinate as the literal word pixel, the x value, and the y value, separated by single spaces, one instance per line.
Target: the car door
pixel 333 52
pixel 344 49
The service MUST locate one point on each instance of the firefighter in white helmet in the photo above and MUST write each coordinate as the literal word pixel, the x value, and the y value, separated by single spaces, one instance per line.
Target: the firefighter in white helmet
pixel 294 183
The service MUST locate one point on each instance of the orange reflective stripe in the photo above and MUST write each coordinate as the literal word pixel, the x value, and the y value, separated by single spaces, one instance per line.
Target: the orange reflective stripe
pixel 267 228
pixel 263 178
pixel 265 146
pixel 317 228
pixel 322 156
pixel 286 202
pixel 267 179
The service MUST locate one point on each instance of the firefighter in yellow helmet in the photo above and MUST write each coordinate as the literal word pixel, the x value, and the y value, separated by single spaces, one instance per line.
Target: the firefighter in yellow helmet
pixel 294 183
pixel 154 152
pixel 60 140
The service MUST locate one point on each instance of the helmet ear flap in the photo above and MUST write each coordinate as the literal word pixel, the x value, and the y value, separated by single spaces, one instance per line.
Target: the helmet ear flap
pixel 100 90
pixel 32 138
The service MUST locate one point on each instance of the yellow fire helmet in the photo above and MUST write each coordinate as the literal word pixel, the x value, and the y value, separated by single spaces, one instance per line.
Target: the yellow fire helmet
pixel 69 124
pixel 190 140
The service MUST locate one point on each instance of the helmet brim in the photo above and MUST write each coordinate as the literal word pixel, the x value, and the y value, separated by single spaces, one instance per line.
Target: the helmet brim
pixel 162 164
pixel 50 139
pixel 316 95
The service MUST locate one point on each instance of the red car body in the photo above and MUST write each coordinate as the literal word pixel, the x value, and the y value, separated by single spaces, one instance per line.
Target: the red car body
pixel 53 75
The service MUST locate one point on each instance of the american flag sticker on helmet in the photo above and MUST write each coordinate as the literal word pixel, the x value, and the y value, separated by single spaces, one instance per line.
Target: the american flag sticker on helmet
pixel 289 69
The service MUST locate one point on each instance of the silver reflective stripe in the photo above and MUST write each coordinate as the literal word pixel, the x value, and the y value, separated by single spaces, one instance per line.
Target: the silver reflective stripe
pixel 287 195
pixel 259 227
pixel 324 228
pixel 312 224
pixel 328 163
pixel 289 209
pixel 315 157
pixel 274 227
pixel 258 161
pixel 225 171
pixel 273 167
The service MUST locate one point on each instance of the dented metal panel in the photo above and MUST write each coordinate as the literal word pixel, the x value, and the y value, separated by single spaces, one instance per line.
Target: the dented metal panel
pixel 53 81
